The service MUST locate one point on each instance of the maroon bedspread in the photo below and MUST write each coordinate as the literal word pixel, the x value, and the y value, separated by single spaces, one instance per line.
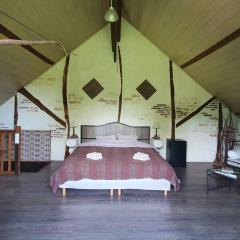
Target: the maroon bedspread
pixel 117 163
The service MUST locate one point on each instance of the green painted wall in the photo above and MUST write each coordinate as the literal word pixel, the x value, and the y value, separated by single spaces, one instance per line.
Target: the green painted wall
pixel 140 60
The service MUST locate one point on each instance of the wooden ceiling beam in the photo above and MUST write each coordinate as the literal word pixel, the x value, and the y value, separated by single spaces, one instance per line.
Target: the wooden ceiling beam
pixel 34 100
pixel 198 110
pixel 213 48
pixel 116 27
pixel 9 34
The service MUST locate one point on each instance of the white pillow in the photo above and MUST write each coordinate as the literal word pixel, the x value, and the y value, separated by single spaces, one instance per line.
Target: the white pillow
pixel 127 137
pixel 234 154
pixel 108 137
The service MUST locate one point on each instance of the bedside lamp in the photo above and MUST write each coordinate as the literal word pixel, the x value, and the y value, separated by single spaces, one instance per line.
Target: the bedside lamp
pixel 72 141
pixel 156 126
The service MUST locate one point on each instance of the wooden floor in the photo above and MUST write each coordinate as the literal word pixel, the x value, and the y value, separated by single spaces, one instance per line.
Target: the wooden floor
pixel 29 211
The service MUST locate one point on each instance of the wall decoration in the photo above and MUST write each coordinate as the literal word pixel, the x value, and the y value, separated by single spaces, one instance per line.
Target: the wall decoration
pixel 108 101
pixel 162 109
pixel 146 89
pixel 93 88
pixel 35 145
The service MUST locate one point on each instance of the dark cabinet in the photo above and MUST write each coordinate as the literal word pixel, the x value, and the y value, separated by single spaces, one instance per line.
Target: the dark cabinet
pixel 176 152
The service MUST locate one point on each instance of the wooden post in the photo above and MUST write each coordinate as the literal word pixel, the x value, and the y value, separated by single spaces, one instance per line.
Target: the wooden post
pixel 9 153
pixel 2 153
pixel 15 111
pixel 18 151
pixel 173 112
pixel 119 192
pixel 111 192
pixel 64 192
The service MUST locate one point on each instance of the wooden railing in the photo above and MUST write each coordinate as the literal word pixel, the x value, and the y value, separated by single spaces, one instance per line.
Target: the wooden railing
pixel 9 151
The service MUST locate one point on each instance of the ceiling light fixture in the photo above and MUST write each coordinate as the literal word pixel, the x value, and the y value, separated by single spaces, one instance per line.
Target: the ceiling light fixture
pixel 111 14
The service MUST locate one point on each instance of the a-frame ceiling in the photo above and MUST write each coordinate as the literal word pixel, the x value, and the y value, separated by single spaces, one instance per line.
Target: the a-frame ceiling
pixel 182 29
pixel 185 28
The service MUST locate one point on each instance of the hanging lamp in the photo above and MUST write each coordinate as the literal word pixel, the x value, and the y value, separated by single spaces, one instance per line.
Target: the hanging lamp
pixel 111 14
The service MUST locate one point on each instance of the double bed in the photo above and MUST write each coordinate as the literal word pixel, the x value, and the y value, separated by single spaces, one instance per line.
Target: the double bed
pixel 117 169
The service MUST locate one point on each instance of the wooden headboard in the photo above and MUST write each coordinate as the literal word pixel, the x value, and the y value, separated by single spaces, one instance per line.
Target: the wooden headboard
pixel 89 132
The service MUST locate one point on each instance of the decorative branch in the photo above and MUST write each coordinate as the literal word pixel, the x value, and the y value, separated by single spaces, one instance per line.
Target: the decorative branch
pixel 173 111
pixel 121 77
pixel 218 159
pixel 65 100
pixel 29 42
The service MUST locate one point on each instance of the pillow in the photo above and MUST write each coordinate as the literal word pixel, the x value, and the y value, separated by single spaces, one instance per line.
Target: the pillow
pixel 109 137
pixel 127 137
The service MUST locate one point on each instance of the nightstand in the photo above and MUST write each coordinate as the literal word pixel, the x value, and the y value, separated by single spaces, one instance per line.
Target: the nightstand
pixel 158 143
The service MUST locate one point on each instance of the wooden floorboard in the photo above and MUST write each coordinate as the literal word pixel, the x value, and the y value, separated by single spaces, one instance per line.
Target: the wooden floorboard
pixel 28 210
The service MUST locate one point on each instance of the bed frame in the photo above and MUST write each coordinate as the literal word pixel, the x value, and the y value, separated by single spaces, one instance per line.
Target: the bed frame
pixel 89 133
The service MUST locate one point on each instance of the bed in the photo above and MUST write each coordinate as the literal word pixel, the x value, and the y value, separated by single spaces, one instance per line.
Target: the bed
pixel 116 170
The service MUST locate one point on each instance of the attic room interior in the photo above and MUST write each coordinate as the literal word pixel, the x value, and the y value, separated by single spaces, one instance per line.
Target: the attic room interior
pixel 119 119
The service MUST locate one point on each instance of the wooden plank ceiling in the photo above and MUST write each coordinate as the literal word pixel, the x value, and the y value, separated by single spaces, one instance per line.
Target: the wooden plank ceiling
pixel 184 29
pixel 68 22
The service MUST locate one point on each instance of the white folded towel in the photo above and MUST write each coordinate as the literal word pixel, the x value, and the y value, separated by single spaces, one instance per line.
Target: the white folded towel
pixel 94 156
pixel 141 156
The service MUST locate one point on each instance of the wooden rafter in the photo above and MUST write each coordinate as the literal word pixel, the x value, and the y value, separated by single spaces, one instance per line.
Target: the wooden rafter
pixel 192 114
pixel 34 100
pixel 213 48
pixel 116 28
pixel 9 34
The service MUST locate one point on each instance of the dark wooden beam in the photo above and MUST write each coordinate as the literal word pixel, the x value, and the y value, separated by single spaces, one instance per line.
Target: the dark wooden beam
pixel 15 111
pixel 173 111
pixel 64 94
pixel 6 32
pixel 114 40
pixel 116 28
pixel 17 149
pixel 65 100
pixel 213 48
pixel 121 77
pixel 119 22
pixel 34 100
pixel 195 112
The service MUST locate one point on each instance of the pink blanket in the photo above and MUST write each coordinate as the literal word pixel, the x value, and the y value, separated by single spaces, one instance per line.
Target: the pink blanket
pixel 117 163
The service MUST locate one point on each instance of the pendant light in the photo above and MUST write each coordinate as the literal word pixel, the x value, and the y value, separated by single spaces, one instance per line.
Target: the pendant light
pixel 111 14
